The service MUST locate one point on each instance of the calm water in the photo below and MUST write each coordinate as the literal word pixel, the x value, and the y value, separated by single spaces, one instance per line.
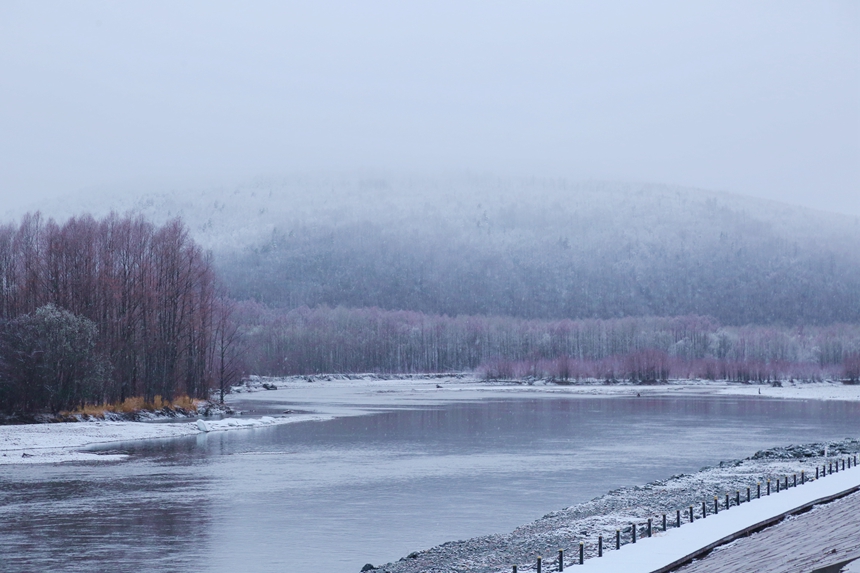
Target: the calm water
pixel 332 496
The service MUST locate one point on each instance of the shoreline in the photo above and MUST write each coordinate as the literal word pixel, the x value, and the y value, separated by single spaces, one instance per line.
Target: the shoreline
pixel 330 396
pixel 617 509
pixel 60 442
pixel 266 402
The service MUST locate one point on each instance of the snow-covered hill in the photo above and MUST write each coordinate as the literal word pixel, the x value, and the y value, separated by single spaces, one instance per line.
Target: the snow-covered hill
pixel 527 247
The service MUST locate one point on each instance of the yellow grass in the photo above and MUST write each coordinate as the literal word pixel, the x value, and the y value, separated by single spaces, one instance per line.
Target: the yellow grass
pixel 135 404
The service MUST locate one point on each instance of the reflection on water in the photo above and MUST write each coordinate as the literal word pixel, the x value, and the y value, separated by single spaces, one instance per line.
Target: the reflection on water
pixel 72 517
pixel 331 496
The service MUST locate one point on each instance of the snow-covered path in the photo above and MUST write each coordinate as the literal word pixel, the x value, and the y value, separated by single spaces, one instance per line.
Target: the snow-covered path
pixel 823 537
pixel 666 551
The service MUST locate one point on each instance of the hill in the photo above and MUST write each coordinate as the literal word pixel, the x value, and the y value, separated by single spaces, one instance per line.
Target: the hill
pixel 532 248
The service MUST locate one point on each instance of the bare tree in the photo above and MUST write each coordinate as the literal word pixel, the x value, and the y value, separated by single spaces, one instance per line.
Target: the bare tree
pixel 150 291
pixel 228 346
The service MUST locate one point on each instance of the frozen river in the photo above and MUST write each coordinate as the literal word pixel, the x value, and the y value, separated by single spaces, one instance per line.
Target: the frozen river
pixel 333 495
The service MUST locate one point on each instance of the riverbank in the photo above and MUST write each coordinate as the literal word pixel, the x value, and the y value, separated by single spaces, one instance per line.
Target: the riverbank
pixel 309 398
pixel 325 389
pixel 818 541
pixel 616 510
pixel 65 442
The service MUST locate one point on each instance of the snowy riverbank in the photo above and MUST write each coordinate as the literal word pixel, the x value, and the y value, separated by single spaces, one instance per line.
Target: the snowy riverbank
pixel 326 397
pixel 63 442
pixel 616 510
pixel 358 389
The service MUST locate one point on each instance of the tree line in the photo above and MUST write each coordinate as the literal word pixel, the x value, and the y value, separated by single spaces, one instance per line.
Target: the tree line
pixel 95 311
pixel 323 339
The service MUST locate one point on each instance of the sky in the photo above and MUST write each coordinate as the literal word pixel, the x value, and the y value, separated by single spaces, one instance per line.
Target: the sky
pixel 760 98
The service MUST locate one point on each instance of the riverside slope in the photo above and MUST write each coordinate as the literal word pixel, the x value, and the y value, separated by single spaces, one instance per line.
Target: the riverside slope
pixel 668 550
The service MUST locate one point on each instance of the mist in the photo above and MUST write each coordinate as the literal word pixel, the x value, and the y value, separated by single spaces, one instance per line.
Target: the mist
pixel 753 98
pixel 440 269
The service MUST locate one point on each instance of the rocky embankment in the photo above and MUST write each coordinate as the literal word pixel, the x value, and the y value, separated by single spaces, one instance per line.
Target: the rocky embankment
pixel 566 528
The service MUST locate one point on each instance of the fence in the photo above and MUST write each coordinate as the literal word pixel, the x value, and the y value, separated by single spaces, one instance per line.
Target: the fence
pixel 646 529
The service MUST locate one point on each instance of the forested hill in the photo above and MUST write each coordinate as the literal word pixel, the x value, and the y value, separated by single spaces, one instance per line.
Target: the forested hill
pixel 530 248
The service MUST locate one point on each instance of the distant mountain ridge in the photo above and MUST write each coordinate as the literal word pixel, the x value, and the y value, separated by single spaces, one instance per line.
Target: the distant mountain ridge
pixel 534 248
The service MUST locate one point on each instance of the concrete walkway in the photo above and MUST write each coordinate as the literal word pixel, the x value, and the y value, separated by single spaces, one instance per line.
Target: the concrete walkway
pixel 828 534
pixel 670 550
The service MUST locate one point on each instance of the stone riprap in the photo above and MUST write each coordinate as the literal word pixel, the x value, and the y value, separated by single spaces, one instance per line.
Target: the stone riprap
pixel 616 510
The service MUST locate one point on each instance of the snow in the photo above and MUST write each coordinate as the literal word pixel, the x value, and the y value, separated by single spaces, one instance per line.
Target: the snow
pixel 649 555
pixel 326 392
pixel 51 443
pixel 328 397
pixel 324 398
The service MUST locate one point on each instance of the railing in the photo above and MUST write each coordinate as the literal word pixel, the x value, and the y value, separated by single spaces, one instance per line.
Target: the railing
pixel 647 527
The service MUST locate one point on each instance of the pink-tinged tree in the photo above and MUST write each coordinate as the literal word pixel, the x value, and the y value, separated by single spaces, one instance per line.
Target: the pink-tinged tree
pixel 851 367
pixel 150 291
pixel 228 343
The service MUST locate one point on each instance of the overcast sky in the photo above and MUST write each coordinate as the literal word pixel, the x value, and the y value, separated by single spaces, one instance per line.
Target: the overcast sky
pixel 759 98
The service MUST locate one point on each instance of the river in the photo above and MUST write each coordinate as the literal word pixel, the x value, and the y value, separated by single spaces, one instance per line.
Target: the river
pixel 336 494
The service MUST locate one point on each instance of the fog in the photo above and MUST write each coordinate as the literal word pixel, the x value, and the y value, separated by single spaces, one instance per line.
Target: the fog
pixel 756 98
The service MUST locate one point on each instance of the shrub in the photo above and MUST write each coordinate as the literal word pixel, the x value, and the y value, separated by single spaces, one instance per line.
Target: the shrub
pixel 49 361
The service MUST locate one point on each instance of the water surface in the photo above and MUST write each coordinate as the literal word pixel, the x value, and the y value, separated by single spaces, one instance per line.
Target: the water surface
pixel 334 495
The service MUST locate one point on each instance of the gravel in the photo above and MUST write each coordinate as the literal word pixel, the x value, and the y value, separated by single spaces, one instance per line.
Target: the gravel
pixel 566 528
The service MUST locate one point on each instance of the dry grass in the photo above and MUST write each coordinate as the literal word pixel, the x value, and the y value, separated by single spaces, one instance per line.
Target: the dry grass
pixel 185 403
pixel 135 404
